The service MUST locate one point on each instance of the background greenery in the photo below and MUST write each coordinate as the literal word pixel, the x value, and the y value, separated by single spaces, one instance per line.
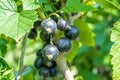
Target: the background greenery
pixel 92 60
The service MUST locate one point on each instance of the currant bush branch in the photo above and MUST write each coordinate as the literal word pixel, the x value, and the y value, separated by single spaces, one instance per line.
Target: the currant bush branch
pixel 62 65
pixel 21 68
pixel 61 62
pixel 73 18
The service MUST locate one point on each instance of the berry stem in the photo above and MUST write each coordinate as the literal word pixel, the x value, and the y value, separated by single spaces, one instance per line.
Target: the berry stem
pixel 55 15
pixel 40 13
pixel 21 68
pixel 43 10
pixel 73 18
pixel 62 65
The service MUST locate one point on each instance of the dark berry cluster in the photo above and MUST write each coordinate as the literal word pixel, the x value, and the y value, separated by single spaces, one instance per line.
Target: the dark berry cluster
pixel 46 67
pixel 45 61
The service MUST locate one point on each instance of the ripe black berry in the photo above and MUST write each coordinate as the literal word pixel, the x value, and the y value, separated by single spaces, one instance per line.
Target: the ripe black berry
pixel 73 33
pixel 44 71
pixel 32 34
pixel 62 25
pixel 39 53
pixel 38 62
pixel 49 26
pixel 54 17
pixel 45 44
pixel 50 52
pixel 44 36
pixel 53 71
pixel 63 44
pixel 37 24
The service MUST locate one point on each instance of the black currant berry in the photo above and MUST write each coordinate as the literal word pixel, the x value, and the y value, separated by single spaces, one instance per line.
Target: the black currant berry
pixel 53 71
pixel 50 52
pixel 44 71
pixel 72 33
pixel 49 26
pixel 37 24
pixel 45 44
pixel 38 62
pixel 54 17
pixel 32 34
pixel 63 44
pixel 62 25
pixel 39 53
pixel 44 36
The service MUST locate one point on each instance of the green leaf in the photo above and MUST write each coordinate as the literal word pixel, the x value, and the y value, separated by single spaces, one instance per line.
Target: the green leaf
pixel 103 3
pixel 30 4
pixel 8 73
pixel 76 6
pixel 14 24
pixel 115 61
pixel 115 35
pixel 3 46
pixel 34 4
pixel 8 6
pixel 3 49
pixel 79 78
pixel 3 41
pixel 73 52
pixel 114 3
pixel 115 51
pixel 27 70
pixel 28 74
pixel 3 63
pixel 86 35
pixel 48 7
pixel 42 1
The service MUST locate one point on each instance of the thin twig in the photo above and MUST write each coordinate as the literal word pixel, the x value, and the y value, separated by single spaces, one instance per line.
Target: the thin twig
pixel 62 65
pixel 73 18
pixel 62 4
pixel 21 68
pixel 76 16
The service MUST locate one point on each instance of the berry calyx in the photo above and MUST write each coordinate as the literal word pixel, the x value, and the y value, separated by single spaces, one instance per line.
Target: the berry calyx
pixel 48 63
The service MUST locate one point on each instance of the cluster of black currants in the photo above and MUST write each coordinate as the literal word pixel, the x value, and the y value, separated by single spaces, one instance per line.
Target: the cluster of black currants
pixel 46 68
pixel 45 61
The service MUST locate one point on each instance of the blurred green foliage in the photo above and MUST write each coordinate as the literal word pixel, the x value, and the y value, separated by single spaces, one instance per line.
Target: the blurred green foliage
pixel 94 62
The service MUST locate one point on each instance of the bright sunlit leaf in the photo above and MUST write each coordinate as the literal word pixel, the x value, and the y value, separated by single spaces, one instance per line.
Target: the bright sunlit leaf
pixel 14 24
pixel 115 50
